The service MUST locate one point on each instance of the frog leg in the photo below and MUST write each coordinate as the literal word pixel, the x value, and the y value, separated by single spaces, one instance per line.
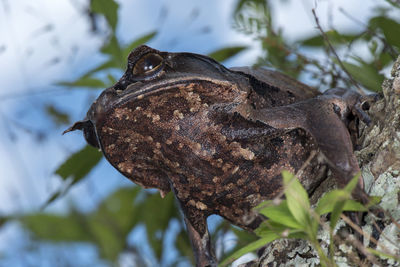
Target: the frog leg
pixel 201 242
pixel 324 117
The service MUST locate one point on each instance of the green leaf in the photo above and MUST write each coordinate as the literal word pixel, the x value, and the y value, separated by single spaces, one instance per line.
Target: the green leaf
pixel 352 184
pixel 249 248
pixel 327 202
pixel 141 40
pixel 352 205
pixel 107 227
pixel 394 3
pixel 121 208
pixel 336 212
pixel 340 203
pixel 243 236
pixel 3 219
pixel 313 41
pixel 110 64
pixel 279 213
pixel 57 228
pixel 242 4
pixel 113 48
pixel 270 226
pixel 157 222
pixel 383 255
pixel 374 200
pixel 79 164
pixel 297 199
pixel 226 53
pixel 182 243
pixel 335 38
pixel 111 79
pixel 59 117
pixel 366 74
pixel 389 27
pixel 383 60
pixel 85 81
pixel 53 197
pixel 108 8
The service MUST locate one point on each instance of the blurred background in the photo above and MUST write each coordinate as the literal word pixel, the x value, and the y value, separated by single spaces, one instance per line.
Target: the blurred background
pixel 61 203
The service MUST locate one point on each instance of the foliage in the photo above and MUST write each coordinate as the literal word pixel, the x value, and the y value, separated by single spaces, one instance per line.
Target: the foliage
pixel 380 37
pixel 294 217
pixel 226 53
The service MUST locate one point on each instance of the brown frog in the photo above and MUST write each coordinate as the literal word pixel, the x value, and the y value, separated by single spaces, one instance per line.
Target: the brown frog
pixel 219 138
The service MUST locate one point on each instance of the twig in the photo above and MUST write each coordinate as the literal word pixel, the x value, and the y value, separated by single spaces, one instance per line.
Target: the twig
pixel 335 54
pixel 366 235
pixel 391 50
pixel 361 248
pixel 382 234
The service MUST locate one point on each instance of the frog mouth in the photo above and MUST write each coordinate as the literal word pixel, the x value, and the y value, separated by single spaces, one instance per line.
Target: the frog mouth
pixel 132 92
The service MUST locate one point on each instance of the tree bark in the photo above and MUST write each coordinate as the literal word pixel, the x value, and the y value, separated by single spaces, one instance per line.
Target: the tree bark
pixel 379 159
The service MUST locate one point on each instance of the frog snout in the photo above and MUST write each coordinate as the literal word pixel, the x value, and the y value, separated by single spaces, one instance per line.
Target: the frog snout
pixel 88 129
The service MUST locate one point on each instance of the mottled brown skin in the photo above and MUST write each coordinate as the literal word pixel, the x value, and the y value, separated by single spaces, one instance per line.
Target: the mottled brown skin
pixel 218 138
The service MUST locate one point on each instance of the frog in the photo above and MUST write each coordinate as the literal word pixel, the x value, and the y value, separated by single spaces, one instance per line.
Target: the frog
pixel 219 138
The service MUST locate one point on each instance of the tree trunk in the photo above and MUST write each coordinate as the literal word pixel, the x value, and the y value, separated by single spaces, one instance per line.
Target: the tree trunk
pixel 379 159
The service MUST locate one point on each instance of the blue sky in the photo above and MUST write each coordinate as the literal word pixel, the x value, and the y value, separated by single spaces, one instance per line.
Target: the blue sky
pixel 44 41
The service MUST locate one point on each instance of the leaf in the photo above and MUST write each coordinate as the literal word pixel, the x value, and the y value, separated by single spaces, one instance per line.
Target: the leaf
pixel 352 184
pixel 121 208
pixel 57 228
pixel 366 74
pixel 226 53
pixel 52 198
pixel 107 227
pixel 327 202
pixel 3 220
pixel 340 203
pixel 58 116
pixel 336 211
pixel 394 3
pixel 141 40
pixel 111 79
pixel 78 165
pixel 109 64
pixel 85 81
pixel 389 27
pixel 107 237
pixel 335 38
pixel 242 4
pixel 270 226
pixel 279 213
pixel 108 8
pixel 156 213
pixel 249 248
pixel 113 48
pixel 374 200
pixel 182 243
pixel 383 255
pixel 297 198
pixel 113 220
pixel 313 41
pixel 244 237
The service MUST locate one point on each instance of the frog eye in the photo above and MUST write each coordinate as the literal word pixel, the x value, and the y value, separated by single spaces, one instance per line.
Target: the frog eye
pixel 148 66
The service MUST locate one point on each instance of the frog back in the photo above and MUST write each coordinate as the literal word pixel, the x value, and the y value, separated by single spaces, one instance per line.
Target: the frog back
pixel 276 85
